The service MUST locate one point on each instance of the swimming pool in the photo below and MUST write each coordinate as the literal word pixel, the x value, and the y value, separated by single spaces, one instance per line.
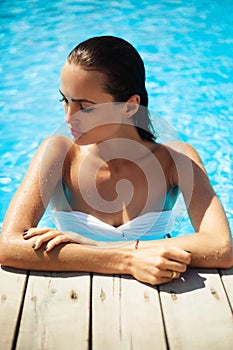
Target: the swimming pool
pixel 187 49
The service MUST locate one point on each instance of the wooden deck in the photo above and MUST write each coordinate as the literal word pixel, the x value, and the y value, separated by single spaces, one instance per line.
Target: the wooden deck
pixel 53 311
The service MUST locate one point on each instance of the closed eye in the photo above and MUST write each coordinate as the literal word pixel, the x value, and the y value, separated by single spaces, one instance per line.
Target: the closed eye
pixel 86 109
pixel 79 101
pixel 63 99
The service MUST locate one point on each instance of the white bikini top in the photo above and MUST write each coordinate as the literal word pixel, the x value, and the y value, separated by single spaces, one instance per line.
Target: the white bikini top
pixel 152 225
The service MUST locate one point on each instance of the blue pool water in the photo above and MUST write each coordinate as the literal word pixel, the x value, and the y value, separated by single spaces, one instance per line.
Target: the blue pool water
pixel 187 49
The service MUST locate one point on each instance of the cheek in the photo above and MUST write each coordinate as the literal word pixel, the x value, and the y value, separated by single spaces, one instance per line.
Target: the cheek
pixel 106 116
pixel 96 134
pixel 103 118
pixel 65 107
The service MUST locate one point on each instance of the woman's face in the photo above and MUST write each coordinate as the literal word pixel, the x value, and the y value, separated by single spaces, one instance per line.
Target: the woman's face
pixel 90 113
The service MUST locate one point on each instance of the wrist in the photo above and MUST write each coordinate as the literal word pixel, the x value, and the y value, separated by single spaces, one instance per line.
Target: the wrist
pixel 126 260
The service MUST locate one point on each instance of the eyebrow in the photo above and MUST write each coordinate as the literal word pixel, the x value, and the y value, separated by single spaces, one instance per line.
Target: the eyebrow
pixel 77 100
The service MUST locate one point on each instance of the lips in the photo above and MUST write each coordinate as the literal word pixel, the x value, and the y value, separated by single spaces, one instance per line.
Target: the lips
pixel 75 133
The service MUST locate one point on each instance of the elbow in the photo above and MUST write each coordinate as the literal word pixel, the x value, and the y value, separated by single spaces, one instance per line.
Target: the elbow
pixel 3 251
pixel 225 255
pixel 7 253
pixel 227 262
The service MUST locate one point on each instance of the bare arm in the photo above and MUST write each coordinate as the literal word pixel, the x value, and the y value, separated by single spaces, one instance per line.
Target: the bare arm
pixel 153 262
pixel 26 209
pixel 211 245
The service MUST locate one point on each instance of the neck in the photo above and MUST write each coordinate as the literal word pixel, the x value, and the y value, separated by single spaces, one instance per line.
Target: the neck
pixel 122 151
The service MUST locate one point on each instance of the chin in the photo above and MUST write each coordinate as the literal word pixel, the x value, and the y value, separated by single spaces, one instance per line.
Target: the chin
pixel 83 140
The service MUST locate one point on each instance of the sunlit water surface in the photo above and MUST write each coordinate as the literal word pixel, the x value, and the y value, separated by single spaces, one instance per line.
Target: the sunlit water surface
pixel 187 49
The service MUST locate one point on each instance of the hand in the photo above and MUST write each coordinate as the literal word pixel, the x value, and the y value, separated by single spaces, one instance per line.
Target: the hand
pixel 54 237
pixel 159 265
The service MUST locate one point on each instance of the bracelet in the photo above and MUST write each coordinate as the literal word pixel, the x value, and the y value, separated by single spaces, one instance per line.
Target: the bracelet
pixel 136 244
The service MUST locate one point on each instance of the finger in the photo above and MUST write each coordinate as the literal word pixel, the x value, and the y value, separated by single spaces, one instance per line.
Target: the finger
pixel 177 254
pixel 34 231
pixel 55 242
pixel 163 280
pixel 45 238
pixel 174 274
pixel 166 264
pixel 169 274
pixel 158 280
pixel 70 237
pixel 175 266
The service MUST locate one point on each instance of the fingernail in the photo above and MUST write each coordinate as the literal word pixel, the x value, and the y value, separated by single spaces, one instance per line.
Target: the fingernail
pixel 34 245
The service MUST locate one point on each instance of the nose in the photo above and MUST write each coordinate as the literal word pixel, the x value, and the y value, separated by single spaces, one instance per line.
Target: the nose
pixel 71 110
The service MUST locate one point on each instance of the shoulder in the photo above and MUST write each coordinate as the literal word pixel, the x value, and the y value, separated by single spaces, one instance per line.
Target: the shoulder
pixel 184 152
pixel 53 153
pixel 55 147
pixel 185 163
pixel 56 142
pixel 177 155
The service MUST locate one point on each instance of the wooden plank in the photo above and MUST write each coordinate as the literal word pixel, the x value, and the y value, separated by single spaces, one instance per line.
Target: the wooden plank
pixel 196 311
pixel 56 312
pixel 126 315
pixel 12 286
pixel 227 279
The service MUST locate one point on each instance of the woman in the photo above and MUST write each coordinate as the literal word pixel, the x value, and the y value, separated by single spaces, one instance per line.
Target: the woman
pixel 112 174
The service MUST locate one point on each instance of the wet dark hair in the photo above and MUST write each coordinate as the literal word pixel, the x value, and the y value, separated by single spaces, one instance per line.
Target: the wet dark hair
pixel 124 71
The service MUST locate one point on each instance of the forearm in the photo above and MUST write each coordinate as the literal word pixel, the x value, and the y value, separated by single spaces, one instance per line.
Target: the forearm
pixel 206 249
pixel 65 257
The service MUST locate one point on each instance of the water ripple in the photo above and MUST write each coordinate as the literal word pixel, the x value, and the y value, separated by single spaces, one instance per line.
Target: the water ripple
pixel 187 48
